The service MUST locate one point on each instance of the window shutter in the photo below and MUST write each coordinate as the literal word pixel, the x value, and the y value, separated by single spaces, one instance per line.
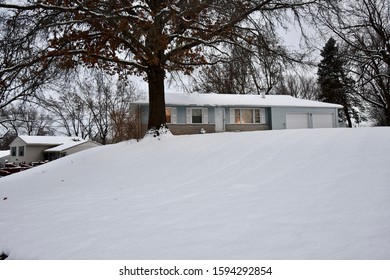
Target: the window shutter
pixel 188 115
pixel 173 115
pixel 262 116
pixel 232 116
pixel 205 115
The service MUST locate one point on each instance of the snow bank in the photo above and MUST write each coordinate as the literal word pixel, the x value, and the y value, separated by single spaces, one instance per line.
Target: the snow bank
pixel 298 194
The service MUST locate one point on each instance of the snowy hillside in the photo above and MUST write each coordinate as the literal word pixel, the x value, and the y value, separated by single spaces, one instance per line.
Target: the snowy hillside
pixel 298 194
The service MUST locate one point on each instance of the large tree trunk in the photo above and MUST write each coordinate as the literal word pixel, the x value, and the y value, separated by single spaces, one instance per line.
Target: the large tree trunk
pixel 157 118
pixel 348 117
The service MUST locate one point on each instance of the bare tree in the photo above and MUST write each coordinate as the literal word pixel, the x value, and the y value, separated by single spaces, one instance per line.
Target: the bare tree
pixel 94 106
pixel 23 72
pixel 298 85
pixel 249 70
pixel 151 37
pixel 363 25
pixel 6 139
pixel 69 113
pixel 29 119
pixel 108 101
pixel 96 94
pixel 123 118
pixel 232 76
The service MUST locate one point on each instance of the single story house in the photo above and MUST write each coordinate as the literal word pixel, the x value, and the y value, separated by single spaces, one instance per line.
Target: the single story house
pixel 196 113
pixel 39 148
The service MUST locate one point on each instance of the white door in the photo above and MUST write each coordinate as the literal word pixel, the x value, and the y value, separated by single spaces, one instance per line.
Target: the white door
pixel 219 119
pixel 323 120
pixel 297 120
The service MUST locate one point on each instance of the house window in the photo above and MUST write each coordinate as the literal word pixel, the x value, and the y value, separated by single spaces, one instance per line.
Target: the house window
pixel 21 151
pixel 249 116
pixel 257 116
pixel 237 116
pixel 13 151
pixel 197 115
pixel 171 114
pixel 168 114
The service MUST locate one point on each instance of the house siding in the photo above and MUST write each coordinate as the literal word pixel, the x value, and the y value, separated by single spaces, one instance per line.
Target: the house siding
pixel 181 127
pixel 35 152
pixel 275 118
pixel 278 115
pixel 32 153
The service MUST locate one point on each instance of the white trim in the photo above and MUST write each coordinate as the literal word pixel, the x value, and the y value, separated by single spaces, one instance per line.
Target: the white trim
pixel 219 119
pixel 263 116
pixel 188 115
pixel 173 115
pixel 205 115
pixel 232 115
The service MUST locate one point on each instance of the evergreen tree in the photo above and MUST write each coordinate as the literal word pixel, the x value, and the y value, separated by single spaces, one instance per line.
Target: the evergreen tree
pixel 335 86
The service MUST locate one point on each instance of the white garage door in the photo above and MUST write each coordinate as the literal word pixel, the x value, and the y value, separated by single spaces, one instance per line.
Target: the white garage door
pixel 297 120
pixel 323 120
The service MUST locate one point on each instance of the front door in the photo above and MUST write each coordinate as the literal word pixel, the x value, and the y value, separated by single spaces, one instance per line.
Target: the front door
pixel 219 119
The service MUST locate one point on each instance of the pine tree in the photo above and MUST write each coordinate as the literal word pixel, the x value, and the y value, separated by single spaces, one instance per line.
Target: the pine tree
pixel 335 86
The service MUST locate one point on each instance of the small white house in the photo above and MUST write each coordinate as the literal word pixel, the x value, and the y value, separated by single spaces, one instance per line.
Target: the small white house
pixel 192 113
pixel 38 148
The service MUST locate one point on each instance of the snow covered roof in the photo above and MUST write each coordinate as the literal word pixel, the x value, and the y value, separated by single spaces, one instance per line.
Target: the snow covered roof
pixel 65 146
pixel 61 143
pixel 247 100
pixel 49 140
pixel 4 153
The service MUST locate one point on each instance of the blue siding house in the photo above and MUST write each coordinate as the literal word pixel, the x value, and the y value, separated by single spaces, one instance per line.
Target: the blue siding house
pixel 198 113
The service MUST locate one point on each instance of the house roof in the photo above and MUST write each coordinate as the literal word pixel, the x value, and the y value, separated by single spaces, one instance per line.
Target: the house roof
pixel 247 100
pixel 49 140
pixel 65 146
pixel 4 153
pixel 60 143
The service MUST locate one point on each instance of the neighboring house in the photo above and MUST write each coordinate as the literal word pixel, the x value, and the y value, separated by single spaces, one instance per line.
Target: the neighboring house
pixel 195 113
pixel 38 148
pixel 4 156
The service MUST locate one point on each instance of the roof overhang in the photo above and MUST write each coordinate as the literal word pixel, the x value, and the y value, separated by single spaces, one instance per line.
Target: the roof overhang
pixel 236 100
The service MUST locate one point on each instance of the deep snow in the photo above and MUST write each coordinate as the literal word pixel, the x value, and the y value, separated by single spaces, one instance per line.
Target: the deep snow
pixel 298 194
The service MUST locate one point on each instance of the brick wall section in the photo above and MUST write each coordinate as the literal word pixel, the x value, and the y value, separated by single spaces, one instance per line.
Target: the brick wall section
pixel 246 127
pixel 183 129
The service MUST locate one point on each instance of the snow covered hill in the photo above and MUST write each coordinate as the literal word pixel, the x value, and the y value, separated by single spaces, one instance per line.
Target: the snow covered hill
pixel 298 194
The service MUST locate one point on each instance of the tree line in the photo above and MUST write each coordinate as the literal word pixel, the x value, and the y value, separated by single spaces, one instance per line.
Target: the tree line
pixel 88 104
pixel 232 46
